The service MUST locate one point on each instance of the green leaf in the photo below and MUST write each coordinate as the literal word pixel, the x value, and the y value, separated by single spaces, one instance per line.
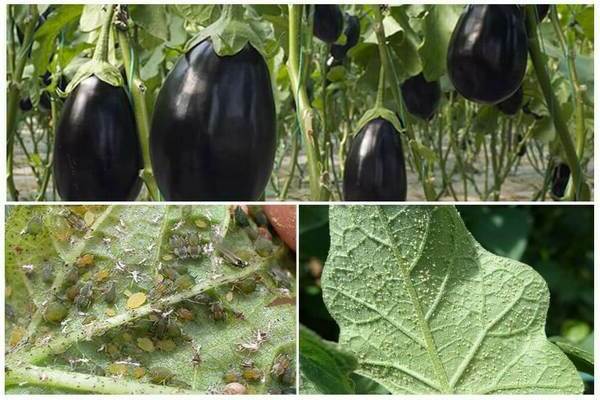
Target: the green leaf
pixel 324 368
pixel 583 360
pixel 437 28
pixel 153 19
pixel 177 305
pixel 426 309
pixel 46 35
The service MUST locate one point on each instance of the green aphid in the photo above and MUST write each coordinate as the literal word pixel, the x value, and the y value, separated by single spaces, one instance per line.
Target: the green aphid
pixel 263 246
pixel 252 374
pixel 47 273
pixel 55 312
pixel 231 376
pixel 72 275
pixel 184 282
pixel 161 375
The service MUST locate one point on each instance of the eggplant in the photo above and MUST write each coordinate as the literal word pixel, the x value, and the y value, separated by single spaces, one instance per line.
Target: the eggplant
pixel 213 134
pixel 487 54
pixel 420 96
pixel 512 105
pixel 352 32
pixel 542 11
pixel 25 104
pixel 374 169
pixel 560 179
pixel 97 155
pixel 328 22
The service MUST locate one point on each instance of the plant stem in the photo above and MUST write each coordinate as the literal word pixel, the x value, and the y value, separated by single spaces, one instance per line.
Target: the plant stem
pixel 101 50
pixel 304 110
pixel 578 103
pixel 77 382
pixel 538 60
pixel 394 84
pixel 49 162
pixel 288 181
pixel 142 118
pixel 14 89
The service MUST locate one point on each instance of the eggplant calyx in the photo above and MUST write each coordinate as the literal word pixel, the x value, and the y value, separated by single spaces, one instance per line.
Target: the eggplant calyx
pixel 237 26
pixel 379 112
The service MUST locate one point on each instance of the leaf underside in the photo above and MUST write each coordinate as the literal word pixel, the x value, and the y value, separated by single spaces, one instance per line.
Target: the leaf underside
pixel 427 310
pixel 186 336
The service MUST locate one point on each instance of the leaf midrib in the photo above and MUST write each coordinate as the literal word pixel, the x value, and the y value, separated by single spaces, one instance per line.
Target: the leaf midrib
pixel 438 367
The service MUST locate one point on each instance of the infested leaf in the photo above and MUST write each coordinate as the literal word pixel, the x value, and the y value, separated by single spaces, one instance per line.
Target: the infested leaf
pixel 115 317
pixel 426 309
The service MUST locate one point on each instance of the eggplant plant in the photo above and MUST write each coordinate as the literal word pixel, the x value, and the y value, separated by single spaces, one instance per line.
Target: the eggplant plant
pixel 147 300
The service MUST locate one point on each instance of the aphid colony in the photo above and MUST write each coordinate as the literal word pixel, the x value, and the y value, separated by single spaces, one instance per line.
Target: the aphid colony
pixel 85 283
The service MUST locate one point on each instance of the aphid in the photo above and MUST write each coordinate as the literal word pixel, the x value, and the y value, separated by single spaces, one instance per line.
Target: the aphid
pixel 259 216
pixel 71 293
pixel 184 282
pixel 160 375
pixel 84 299
pixel 234 388
pixel 185 314
pixel 55 312
pixel 9 311
pixel 136 300
pixel 33 227
pixel 241 218
pixel 231 376
pixel 47 273
pixel 74 220
pixel 229 256
pixel 252 374
pixel 263 246
pixel 110 293
pixel 288 377
pixel 280 365
pixel 247 363
pixel 217 311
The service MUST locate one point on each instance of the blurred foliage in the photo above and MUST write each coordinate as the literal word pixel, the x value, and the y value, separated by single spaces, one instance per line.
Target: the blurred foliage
pixel 557 241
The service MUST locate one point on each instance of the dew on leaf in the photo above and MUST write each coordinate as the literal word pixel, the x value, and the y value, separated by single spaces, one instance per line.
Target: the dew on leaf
pixel 136 300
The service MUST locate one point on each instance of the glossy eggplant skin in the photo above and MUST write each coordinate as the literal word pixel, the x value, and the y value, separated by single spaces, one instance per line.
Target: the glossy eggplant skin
pixel 420 96
pixel 213 133
pixel 374 169
pixel 97 154
pixel 560 179
pixel 352 32
pixel 487 54
pixel 542 11
pixel 512 105
pixel 328 22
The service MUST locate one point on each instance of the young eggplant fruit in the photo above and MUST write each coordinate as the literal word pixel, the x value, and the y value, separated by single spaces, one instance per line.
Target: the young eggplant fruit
pixel 352 32
pixel 328 22
pixel 420 96
pixel 512 105
pixel 213 133
pixel 487 54
pixel 374 169
pixel 97 155
pixel 560 179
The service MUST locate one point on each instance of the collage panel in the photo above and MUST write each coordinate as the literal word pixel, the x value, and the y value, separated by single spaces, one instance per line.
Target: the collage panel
pixel 474 299
pixel 150 299
pixel 328 102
